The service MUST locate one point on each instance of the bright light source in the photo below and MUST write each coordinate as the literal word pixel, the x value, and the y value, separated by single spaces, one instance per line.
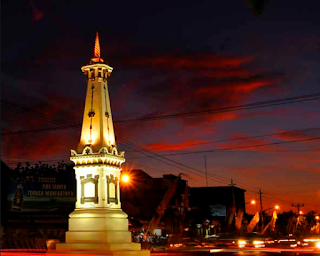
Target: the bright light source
pixel 300 212
pixel 318 245
pixel 215 250
pixel 125 178
pixel 317 217
pixel 242 243
pixel 253 201
pixel 277 207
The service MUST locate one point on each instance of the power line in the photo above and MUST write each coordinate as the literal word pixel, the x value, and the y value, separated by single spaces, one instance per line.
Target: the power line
pixel 172 162
pixel 302 98
pixel 234 148
pixel 249 137
pixel 234 108
pixel 289 100
pixel 220 178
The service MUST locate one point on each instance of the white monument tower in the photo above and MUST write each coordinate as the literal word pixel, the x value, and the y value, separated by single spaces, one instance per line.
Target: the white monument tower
pixel 98 225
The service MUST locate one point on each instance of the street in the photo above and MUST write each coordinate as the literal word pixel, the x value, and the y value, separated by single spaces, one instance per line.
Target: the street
pixel 217 252
pixel 235 252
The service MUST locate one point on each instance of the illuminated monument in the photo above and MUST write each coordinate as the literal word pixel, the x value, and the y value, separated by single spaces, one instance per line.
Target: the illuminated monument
pixel 98 225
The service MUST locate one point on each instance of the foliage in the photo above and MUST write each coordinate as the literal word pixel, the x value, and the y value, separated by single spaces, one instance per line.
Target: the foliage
pixel 25 173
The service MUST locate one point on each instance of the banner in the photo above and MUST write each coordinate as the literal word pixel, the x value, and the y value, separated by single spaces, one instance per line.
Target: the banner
pixel 41 194
pixel 218 210
pixel 253 222
pixel 239 219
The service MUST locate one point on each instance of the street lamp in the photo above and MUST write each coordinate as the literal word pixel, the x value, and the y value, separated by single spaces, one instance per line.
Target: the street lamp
pixel 125 178
pixel 253 202
pixel 276 207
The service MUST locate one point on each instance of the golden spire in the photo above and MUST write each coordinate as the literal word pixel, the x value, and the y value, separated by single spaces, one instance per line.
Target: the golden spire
pixel 97 47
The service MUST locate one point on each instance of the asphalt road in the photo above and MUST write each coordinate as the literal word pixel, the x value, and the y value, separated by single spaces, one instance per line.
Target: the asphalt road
pixel 234 253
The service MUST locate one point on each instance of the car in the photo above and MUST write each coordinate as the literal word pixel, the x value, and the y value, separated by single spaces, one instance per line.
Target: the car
pixel 186 243
pixel 255 240
pixel 311 241
pixel 223 240
pixel 286 242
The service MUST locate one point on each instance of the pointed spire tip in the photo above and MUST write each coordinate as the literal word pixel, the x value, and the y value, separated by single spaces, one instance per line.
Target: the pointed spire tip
pixel 97 46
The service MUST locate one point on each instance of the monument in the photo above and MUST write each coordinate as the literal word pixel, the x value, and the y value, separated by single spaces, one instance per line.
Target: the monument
pixel 98 225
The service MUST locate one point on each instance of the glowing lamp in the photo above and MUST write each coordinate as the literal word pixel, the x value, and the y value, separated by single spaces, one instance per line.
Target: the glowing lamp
pixel 317 217
pixel 300 212
pixel 125 178
pixel 277 207
pixel 253 201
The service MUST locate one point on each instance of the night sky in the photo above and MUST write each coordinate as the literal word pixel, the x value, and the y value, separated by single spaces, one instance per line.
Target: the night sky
pixel 171 57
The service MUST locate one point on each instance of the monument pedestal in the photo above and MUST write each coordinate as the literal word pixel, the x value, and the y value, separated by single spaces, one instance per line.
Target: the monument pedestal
pixel 99 231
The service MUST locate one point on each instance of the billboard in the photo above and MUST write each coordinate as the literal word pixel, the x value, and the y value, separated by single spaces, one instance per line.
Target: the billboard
pixel 41 194
pixel 218 210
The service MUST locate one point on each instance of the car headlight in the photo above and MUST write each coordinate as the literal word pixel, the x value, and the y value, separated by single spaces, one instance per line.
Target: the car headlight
pixel 242 243
pixel 258 242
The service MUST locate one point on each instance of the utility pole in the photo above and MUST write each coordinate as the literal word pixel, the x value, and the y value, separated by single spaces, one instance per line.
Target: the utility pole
pixel 233 210
pixel 205 166
pixel 261 210
pixel 233 198
pixel 298 206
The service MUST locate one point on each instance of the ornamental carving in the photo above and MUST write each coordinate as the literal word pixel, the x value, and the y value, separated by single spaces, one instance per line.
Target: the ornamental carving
pixel 112 189
pixel 87 150
pixel 89 194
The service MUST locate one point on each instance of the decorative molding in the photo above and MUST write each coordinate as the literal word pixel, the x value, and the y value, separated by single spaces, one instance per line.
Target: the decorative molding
pixel 112 180
pixel 109 156
pixel 84 181
pixel 87 150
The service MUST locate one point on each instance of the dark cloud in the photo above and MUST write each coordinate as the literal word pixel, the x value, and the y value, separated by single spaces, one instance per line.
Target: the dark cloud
pixel 195 82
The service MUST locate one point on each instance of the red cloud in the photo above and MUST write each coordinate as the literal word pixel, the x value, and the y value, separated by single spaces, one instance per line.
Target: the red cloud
pixel 164 146
pixel 199 82
pixel 197 61
pixel 285 135
pixel 170 84
pixel 51 144
pixel 317 170
pixel 246 144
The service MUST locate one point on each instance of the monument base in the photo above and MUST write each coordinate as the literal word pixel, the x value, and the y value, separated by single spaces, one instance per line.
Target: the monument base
pixel 99 231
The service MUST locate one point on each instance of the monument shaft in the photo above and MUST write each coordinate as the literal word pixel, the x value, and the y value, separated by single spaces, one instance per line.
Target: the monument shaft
pixel 98 225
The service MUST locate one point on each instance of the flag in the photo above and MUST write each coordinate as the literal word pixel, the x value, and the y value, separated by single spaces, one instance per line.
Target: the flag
pixel 231 215
pixel 273 220
pixel 253 222
pixel 271 224
pixel 239 219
